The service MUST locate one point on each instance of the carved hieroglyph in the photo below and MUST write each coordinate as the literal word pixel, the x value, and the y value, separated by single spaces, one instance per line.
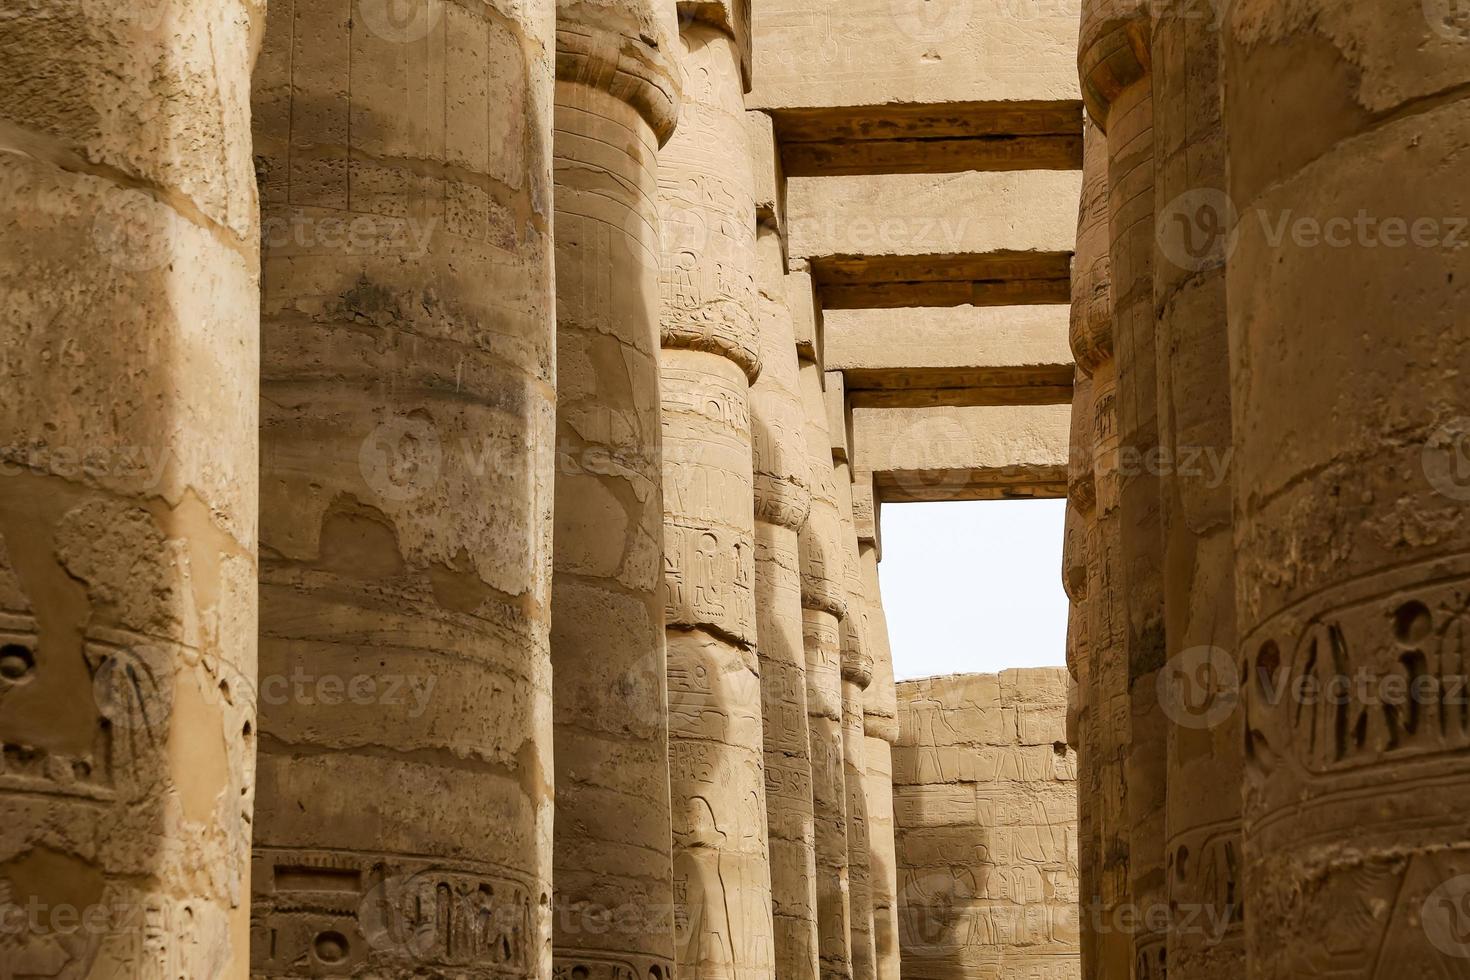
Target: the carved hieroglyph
pixel 722 882
pixel 1197 686
pixel 782 501
pixel 404 825
pixel 1104 712
pixel 613 885
pixel 824 606
pixel 880 725
pixel 1350 490
pixel 128 435
pixel 857 674
pixel 1116 82
pixel 985 797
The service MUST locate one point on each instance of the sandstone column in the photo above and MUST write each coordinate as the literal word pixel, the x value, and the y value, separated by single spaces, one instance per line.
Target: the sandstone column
pixel 710 356
pixel 824 606
pixel 1103 685
pixel 880 725
pixel 1077 576
pixel 1348 363
pixel 404 827
pixel 615 105
pixel 128 434
pixel 1114 61
pixel 782 501
pixel 857 675
pixel 1198 686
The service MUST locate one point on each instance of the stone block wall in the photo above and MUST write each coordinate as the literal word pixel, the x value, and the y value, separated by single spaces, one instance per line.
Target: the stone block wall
pixel 985 820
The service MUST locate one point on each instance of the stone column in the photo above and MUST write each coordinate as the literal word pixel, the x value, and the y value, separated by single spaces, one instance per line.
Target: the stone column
pixel 1077 577
pixel 1348 365
pixel 1104 719
pixel 782 501
pixel 1198 687
pixel 128 432
pixel 615 105
pixel 710 357
pixel 880 725
pixel 404 826
pixel 857 675
pixel 824 604
pixel 1116 82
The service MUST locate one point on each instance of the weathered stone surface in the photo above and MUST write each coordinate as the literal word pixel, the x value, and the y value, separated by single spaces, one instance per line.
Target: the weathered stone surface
pixel 1015 211
pixel 874 52
pixel 971 453
pixel 613 897
pixel 880 725
pixel 129 266
pixel 407 425
pixel 1349 492
pixel 958 356
pixel 825 606
pixel 722 878
pixel 1197 685
pixel 987 854
pixel 782 503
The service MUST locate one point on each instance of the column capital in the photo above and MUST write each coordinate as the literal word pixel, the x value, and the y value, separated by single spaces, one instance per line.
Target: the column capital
pixel 1112 53
pixel 626 61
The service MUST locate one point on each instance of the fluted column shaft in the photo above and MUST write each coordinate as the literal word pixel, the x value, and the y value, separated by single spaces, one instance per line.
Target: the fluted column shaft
pixel 615 104
pixel 824 607
pixel 1349 355
pixel 129 264
pixel 722 880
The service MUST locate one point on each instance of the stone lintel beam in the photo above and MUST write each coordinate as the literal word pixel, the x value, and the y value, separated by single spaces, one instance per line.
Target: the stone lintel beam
pixel 839 422
pixel 1002 278
pixel 874 52
pixel 770 178
pixel 903 138
pixel 891 215
pixel 957 356
pixel 981 453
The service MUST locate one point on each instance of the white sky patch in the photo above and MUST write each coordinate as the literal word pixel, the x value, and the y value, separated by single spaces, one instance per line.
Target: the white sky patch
pixel 974 586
